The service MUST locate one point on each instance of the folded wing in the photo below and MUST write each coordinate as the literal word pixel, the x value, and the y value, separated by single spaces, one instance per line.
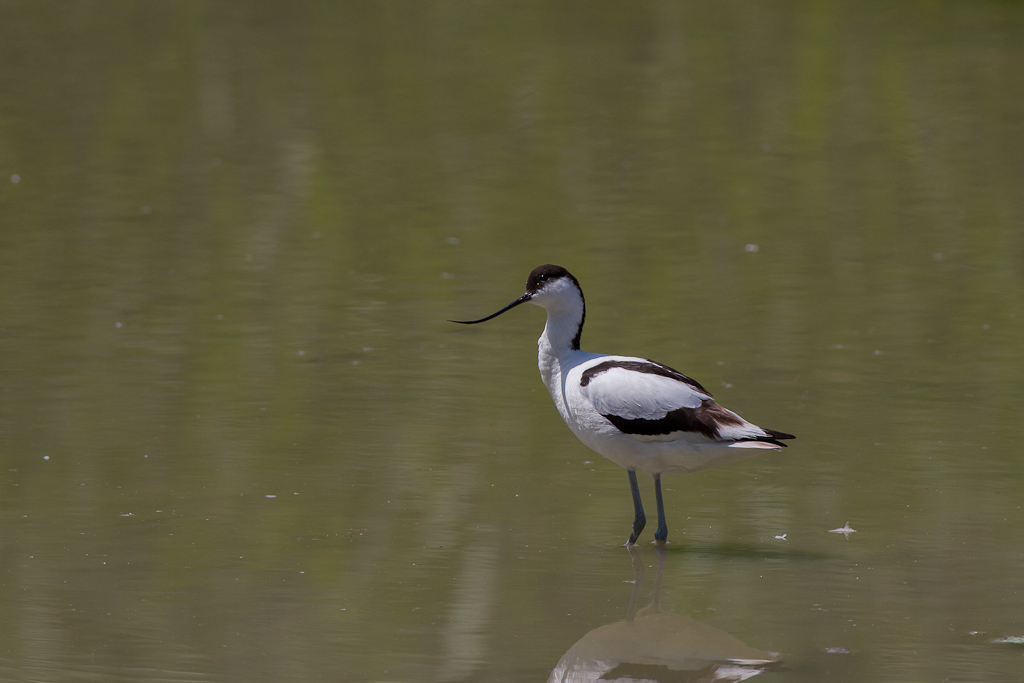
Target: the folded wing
pixel 653 402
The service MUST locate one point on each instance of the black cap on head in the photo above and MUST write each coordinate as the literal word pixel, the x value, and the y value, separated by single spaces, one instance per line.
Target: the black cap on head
pixel 546 273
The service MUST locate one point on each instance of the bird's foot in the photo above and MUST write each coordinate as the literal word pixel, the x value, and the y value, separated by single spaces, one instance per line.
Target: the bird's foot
pixel 638 526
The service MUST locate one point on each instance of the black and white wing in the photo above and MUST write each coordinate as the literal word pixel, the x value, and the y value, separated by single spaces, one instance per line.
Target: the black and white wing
pixel 650 401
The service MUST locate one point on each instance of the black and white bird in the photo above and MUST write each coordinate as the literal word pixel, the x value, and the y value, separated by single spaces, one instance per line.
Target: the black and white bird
pixel 639 414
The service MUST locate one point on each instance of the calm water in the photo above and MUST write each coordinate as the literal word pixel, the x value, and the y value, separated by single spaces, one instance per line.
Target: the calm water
pixel 240 441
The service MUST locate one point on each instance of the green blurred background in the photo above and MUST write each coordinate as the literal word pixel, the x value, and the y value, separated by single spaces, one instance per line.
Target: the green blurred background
pixel 240 441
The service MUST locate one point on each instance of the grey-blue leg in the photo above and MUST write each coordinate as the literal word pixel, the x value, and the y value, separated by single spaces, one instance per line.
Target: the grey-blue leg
pixel 662 533
pixel 639 519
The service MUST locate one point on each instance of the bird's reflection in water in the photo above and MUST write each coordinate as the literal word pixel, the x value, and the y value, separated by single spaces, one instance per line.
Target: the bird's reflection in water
pixel 654 645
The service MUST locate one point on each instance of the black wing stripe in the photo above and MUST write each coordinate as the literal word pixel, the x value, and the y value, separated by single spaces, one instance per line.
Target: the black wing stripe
pixel 706 420
pixel 648 366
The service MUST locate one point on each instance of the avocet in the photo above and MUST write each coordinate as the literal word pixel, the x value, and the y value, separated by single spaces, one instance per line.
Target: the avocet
pixel 639 414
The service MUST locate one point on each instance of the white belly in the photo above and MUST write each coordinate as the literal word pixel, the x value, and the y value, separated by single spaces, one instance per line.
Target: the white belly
pixel 653 457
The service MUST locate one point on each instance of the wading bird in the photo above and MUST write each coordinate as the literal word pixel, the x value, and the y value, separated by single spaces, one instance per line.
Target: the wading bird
pixel 639 414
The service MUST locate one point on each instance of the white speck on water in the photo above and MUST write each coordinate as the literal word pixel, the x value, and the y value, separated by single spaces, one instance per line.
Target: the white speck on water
pixel 301 354
pixel 46 457
pixel 452 240
pixel 845 530
pixel 1008 640
pixel 751 248
pixel 270 495
pixel 146 210
pixel 355 362
pixel 781 537
pixel 837 651
pixel 367 349
pixel 128 514
pixel 117 325
pixel 447 276
pixel 220 316
pixel 15 178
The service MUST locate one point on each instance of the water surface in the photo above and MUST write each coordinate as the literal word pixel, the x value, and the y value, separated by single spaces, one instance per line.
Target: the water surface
pixel 240 441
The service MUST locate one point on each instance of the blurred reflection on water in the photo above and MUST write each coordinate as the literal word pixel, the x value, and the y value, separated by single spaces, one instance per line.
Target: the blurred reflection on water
pixel 240 442
pixel 655 645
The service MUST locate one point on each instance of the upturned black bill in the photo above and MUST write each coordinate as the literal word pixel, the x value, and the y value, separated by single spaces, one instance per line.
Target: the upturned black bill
pixel 521 300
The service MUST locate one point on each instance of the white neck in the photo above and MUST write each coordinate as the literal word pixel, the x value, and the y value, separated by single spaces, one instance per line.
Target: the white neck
pixel 564 323
pixel 555 346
